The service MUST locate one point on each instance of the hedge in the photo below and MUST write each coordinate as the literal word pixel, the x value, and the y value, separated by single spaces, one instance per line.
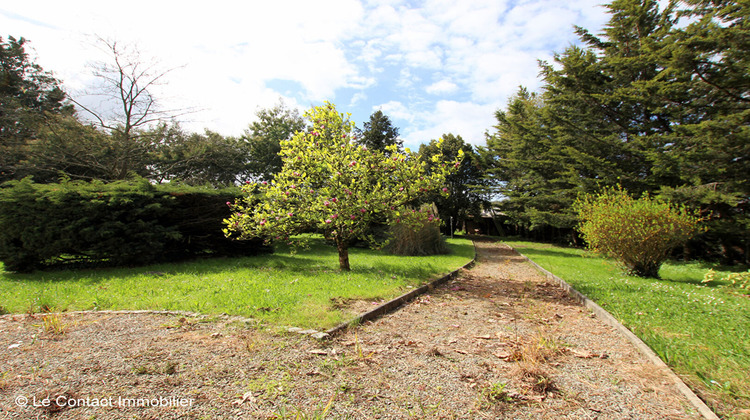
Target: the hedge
pixel 119 223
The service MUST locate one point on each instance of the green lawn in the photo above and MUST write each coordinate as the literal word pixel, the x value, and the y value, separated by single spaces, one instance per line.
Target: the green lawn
pixel 701 331
pixel 282 289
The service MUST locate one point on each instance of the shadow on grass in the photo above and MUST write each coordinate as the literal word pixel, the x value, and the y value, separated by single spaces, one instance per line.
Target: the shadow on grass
pixel 672 271
pixel 553 253
pixel 319 259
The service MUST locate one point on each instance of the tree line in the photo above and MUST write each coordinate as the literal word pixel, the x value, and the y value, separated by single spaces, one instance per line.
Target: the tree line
pixel 657 104
pixel 43 136
pixel 128 134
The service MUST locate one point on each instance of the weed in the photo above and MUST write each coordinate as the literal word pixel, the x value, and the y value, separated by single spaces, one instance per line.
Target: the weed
pixel 168 368
pixel 496 392
pixel 53 324
pixel 318 414
pixel 358 349
pixel 3 380
pixel 141 370
pixel 535 378
pixel 539 350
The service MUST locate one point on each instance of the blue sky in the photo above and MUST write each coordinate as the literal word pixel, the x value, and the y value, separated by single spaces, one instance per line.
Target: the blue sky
pixel 433 66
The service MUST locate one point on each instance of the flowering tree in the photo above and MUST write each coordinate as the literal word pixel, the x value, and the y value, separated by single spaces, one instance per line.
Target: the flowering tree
pixel 330 184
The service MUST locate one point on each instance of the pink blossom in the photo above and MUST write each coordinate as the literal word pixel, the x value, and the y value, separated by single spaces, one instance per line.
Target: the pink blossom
pixel 353 217
pixel 445 189
pixel 228 203
pixel 328 221
pixel 290 214
pixel 401 189
pixel 326 203
pixel 363 210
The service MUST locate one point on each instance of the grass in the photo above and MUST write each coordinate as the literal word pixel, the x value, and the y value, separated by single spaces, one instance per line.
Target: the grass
pixel 281 288
pixel 701 330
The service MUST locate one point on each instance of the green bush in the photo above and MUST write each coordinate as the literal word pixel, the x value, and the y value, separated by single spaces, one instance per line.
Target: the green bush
pixel 417 233
pixel 640 234
pixel 120 223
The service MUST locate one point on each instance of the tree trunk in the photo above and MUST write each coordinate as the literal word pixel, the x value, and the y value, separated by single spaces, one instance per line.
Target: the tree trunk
pixel 343 249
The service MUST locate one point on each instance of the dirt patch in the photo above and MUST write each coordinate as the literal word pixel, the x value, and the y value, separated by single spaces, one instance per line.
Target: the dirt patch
pixel 499 341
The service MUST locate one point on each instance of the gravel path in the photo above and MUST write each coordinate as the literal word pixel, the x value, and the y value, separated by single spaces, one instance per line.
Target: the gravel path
pixel 499 341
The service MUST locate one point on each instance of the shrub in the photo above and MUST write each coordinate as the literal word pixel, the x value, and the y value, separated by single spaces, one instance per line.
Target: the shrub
pixel 417 233
pixel 640 234
pixel 739 280
pixel 121 223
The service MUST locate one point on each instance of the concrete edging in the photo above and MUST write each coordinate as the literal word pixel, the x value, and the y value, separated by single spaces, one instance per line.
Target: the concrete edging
pixel 392 304
pixel 605 316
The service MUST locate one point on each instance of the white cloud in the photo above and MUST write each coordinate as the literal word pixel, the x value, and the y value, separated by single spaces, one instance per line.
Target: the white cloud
pixel 396 110
pixel 441 87
pixel 357 98
pixel 472 54
pixel 467 119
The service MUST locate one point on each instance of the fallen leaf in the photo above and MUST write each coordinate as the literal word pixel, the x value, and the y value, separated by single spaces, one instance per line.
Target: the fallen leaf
pixel 583 354
pixel 248 396
pixel 483 337
pixel 319 352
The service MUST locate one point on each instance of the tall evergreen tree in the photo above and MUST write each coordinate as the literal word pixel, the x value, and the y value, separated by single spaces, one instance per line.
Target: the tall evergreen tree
pixel 604 97
pixel 27 93
pixel 709 149
pixel 649 104
pixel 378 133
pixel 522 156
pixel 467 186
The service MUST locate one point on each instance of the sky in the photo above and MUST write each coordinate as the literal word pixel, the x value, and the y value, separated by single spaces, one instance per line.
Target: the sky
pixel 432 66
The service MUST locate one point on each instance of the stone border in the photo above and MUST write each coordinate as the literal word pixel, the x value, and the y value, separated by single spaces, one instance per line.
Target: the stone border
pixel 393 304
pixel 605 316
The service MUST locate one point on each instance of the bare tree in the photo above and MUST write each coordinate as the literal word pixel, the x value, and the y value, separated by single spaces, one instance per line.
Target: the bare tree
pixel 126 105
